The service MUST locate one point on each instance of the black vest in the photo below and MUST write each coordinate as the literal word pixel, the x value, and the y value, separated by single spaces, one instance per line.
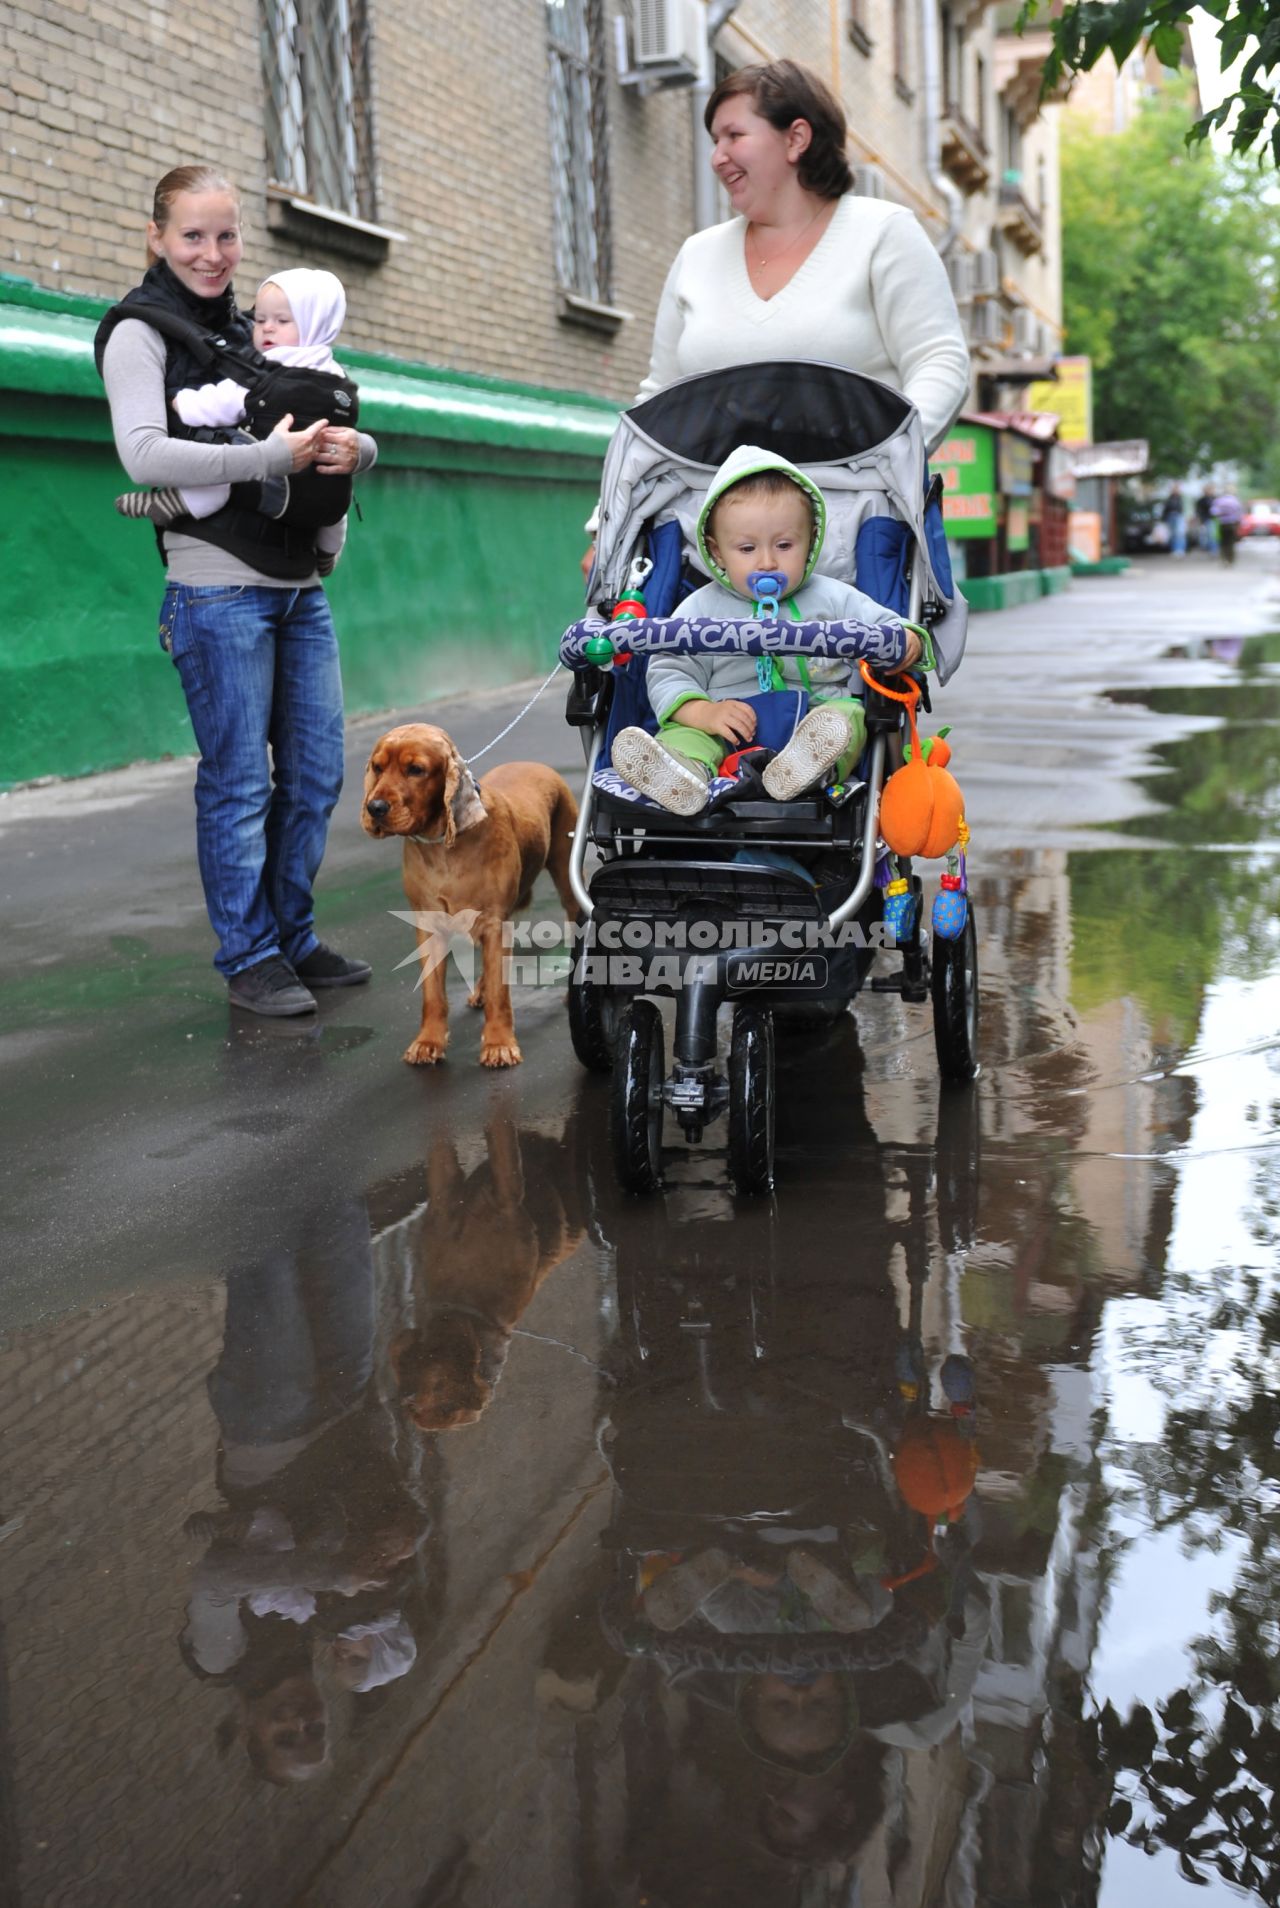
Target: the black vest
pixel 207 339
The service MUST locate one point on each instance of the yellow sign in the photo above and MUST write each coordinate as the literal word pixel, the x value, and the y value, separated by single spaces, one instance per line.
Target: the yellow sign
pixel 1071 399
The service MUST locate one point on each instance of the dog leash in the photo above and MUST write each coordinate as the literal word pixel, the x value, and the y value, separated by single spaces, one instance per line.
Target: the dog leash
pixel 469 759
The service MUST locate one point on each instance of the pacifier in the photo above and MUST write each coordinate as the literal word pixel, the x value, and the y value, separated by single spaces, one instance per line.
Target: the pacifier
pixel 767 587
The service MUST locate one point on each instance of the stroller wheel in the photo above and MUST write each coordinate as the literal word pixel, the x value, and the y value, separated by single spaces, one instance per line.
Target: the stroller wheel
pixel 636 1112
pixel 751 1100
pixel 955 1003
pixel 593 1024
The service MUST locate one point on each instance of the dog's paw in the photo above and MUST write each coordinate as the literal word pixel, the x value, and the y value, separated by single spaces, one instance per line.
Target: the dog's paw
pixel 425 1053
pixel 495 1053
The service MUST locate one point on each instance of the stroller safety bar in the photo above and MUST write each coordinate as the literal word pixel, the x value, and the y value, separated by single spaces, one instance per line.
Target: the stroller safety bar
pixel 881 644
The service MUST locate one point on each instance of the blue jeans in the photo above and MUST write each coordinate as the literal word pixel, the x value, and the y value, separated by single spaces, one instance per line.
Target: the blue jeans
pixel 259 669
pixel 297 1345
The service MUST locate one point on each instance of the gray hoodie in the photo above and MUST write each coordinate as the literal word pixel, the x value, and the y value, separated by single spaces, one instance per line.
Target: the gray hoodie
pixel 726 675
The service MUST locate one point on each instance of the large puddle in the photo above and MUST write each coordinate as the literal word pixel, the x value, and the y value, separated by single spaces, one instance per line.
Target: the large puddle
pixel 909 1539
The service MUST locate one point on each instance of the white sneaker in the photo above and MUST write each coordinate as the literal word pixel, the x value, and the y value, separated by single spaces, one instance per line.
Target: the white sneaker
pixel 813 751
pixel 652 769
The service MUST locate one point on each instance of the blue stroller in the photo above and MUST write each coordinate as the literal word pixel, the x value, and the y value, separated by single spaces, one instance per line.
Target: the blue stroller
pixel 776 908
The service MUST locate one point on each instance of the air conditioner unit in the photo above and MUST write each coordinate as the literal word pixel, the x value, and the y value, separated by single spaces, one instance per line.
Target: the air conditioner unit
pixel 669 34
pixel 986 273
pixel 869 182
pixel 986 324
pixel 1026 329
pixel 960 272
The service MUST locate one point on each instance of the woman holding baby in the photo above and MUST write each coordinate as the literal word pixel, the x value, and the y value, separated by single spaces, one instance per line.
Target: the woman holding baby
pixel 244 615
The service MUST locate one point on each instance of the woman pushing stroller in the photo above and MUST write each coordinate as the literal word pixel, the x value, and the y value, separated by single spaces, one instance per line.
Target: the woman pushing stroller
pixel 760 535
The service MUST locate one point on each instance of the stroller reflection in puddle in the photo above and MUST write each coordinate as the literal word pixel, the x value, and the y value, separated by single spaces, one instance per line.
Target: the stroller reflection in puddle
pixel 788 1589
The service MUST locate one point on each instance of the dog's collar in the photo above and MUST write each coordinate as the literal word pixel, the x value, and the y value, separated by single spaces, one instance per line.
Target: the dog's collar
pixel 428 841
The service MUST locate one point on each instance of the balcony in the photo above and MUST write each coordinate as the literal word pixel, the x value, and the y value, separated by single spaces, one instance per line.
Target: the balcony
pixel 964 152
pixel 1019 71
pixel 1018 219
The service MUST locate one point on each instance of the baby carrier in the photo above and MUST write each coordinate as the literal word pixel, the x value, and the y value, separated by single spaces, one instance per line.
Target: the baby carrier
pixel 272 391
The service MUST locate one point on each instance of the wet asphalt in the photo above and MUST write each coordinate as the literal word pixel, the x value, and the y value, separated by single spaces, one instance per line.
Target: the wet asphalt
pixel 393 1512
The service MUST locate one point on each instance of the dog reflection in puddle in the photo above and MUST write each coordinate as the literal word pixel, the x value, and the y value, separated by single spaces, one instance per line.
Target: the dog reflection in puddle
pixel 489 1239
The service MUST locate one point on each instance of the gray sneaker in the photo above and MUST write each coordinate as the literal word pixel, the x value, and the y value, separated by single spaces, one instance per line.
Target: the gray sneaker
pixel 813 751
pixel 270 987
pixel 676 784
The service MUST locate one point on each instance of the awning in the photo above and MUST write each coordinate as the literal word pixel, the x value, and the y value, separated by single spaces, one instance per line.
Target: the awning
pixel 1040 426
pixel 1018 370
pixel 1128 458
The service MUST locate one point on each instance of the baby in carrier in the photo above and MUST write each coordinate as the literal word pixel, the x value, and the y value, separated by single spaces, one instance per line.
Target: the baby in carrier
pixel 297 317
pixel 761 515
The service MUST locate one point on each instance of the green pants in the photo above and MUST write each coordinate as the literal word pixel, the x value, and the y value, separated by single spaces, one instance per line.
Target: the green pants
pixel 709 751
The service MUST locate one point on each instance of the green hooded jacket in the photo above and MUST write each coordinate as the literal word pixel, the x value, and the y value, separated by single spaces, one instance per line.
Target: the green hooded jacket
pixel 673 680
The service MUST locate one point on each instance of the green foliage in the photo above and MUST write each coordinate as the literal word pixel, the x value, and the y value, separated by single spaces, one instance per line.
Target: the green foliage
pixel 1200 1773
pixel 1171 263
pixel 1183 909
pixel 1086 29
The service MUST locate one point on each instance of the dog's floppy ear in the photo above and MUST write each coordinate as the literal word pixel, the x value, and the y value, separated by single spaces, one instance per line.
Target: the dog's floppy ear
pixel 462 805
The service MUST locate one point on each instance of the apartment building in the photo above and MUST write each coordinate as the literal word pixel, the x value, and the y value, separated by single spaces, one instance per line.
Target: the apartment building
pixel 502 190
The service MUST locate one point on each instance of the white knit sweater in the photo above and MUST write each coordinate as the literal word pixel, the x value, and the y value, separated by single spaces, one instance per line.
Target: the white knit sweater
pixel 873 295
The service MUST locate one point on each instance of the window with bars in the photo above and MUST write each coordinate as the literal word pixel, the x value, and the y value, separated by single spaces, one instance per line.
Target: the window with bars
pixel 580 179
pixel 315 62
pixel 901 56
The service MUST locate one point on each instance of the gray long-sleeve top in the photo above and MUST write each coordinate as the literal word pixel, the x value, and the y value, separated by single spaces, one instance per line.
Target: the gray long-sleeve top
pixel 133 371
pixel 721 675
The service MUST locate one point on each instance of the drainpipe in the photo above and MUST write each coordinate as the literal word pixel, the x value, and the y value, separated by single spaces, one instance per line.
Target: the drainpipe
pixel 931 78
pixel 705 209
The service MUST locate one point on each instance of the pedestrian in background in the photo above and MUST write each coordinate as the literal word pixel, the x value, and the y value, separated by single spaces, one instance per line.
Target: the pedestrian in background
pixel 244 616
pixel 1227 511
pixel 1204 516
pixel 1174 514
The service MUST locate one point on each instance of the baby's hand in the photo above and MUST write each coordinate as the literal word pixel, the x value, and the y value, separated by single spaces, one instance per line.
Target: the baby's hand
pixel 733 721
pixel 914 651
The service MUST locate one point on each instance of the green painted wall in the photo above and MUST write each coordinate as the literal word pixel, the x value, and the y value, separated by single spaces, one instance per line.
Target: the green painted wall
pixel 462 573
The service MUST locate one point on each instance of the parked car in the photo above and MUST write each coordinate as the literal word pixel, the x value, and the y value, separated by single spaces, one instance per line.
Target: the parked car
pixel 1144 531
pixel 1261 519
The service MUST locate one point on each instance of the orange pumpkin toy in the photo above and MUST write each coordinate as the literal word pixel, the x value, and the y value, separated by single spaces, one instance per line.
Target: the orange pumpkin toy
pixel 936 1468
pixel 921 807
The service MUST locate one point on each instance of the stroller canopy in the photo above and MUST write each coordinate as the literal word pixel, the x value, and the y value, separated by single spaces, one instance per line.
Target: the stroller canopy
pixel 807 413
pixel 858 439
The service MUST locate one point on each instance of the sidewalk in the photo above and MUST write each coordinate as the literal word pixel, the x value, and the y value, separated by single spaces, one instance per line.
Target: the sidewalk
pixel 150 1131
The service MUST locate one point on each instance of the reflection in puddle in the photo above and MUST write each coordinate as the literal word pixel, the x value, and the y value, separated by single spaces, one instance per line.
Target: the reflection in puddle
pixel 911 1539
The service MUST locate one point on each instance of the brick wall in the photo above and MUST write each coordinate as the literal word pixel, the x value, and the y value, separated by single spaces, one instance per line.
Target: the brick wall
pixel 463 166
pixel 98 99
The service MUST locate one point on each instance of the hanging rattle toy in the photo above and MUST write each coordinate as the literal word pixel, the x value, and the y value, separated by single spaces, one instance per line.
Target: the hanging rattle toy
pixel 922 814
pixel 630 608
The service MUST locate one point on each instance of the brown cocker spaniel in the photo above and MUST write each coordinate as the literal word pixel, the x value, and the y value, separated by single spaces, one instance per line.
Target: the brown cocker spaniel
pixel 472 851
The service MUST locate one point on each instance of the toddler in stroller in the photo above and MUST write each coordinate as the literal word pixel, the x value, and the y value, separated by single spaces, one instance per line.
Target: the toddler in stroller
pixel 713 890
pixel 760 534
